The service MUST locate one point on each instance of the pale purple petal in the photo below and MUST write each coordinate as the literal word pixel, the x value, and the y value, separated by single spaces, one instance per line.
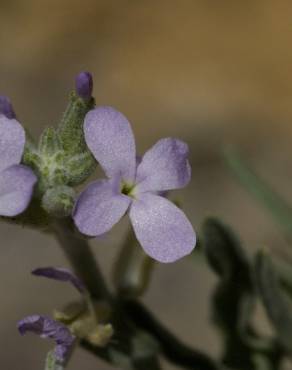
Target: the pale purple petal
pixel 99 207
pixel 109 136
pixel 164 167
pixel 16 188
pixel 84 85
pixel 162 229
pixel 61 274
pixel 48 328
pixel 6 107
pixel 12 139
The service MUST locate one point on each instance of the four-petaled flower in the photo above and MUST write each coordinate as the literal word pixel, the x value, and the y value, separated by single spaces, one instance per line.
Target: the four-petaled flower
pixel 16 181
pixel 162 229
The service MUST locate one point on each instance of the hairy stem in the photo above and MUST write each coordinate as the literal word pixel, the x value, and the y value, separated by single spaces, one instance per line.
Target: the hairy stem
pixel 78 252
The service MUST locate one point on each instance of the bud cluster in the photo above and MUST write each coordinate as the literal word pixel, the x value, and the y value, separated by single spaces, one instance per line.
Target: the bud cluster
pixel 61 159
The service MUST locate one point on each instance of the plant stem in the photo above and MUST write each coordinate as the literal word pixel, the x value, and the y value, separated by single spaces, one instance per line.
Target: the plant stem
pixel 86 268
pixel 78 252
pixel 173 349
pixel 132 269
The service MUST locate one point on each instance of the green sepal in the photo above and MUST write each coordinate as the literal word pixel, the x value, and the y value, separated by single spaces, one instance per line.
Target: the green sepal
pixel 31 157
pixel 49 142
pixel 71 127
pixel 79 167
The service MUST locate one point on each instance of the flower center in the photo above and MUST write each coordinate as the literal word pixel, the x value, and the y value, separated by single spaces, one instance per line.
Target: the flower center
pixel 128 189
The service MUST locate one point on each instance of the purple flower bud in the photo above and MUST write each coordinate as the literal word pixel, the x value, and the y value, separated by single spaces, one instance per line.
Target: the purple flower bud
pixel 84 85
pixel 49 328
pixel 6 107
pixel 60 274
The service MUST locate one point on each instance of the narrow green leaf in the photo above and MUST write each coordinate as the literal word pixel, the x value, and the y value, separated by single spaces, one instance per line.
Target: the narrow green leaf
pixel 79 167
pixel 266 196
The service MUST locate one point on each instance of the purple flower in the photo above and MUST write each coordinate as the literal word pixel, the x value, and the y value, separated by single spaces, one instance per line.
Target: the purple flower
pixel 16 181
pixel 162 229
pixel 49 328
pixel 84 85
pixel 60 274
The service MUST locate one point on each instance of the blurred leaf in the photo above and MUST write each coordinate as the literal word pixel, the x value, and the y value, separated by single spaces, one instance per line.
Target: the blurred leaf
pixel 272 201
pixel 277 303
pixel 284 271
pixel 234 295
pixel 234 299
pixel 228 260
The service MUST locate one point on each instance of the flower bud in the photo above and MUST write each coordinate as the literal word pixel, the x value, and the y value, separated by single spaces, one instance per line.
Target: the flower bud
pixel 84 85
pixel 6 107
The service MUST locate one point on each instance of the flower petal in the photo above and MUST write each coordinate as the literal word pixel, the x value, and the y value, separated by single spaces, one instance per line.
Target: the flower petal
pixel 48 328
pixel 162 229
pixel 61 274
pixel 16 188
pixel 109 136
pixel 12 139
pixel 164 167
pixel 99 207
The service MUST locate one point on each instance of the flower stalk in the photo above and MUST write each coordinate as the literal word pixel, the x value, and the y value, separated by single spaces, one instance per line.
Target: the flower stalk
pixel 81 259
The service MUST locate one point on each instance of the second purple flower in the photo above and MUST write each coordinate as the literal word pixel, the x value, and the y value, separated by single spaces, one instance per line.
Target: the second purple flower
pixel 16 181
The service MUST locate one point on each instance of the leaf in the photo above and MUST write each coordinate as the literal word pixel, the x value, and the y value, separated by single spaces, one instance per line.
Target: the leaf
pixel 284 272
pixel 266 196
pixel 234 295
pixel 277 303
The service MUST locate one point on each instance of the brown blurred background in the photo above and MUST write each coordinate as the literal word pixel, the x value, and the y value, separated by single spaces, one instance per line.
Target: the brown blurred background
pixel 210 72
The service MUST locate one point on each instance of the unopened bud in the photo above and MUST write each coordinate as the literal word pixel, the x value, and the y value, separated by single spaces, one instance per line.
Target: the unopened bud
pixel 6 107
pixel 84 85
pixel 59 201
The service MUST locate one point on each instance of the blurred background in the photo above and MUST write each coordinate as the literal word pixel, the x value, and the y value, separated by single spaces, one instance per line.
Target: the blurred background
pixel 213 73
